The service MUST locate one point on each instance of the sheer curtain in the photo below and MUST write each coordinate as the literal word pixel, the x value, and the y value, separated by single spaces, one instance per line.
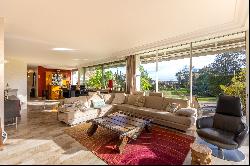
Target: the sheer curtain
pixel 131 71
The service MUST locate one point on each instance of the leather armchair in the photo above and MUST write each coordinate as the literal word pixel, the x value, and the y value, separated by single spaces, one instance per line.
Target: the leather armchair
pixel 225 129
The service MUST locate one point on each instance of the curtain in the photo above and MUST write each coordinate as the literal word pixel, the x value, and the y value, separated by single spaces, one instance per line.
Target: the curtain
pixel 131 77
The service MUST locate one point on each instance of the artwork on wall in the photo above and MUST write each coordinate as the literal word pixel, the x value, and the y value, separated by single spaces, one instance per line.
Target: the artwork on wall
pixel 56 79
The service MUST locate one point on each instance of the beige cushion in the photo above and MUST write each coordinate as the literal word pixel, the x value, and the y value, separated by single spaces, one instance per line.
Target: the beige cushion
pixel 138 93
pixel 186 112
pixel 156 94
pixel 119 98
pixel 140 101
pixel 131 99
pixel 154 102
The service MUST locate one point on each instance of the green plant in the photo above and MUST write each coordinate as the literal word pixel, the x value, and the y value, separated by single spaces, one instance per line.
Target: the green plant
pixel 237 87
pixel 146 82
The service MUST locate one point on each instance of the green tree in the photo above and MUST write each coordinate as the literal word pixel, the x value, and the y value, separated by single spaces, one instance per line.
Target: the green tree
pixel 145 81
pixel 183 77
pixel 237 87
pixel 95 80
pixel 222 70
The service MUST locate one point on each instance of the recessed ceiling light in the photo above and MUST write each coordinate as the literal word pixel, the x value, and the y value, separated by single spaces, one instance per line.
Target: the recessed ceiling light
pixel 63 49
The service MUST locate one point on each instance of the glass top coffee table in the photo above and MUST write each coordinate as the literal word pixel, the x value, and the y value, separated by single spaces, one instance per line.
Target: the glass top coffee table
pixel 127 126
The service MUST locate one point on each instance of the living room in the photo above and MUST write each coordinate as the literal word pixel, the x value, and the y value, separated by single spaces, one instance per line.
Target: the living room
pixel 124 82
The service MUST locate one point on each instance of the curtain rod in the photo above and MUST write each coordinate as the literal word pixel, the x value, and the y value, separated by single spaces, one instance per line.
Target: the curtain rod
pixel 191 42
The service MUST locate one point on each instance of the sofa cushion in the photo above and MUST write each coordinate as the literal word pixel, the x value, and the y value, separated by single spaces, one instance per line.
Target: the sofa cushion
pixel 139 101
pixel 105 109
pixel 154 102
pixel 70 100
pixel 156 114
pixel 119 98
pixel 217 135
pixel 131 99
pixel 142 93
pixel 167 116
pixel 87 112
pixel 186 112
pixel 159 94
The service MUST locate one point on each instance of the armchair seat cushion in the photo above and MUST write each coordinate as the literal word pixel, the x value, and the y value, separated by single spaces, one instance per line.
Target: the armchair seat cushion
pixel 218 135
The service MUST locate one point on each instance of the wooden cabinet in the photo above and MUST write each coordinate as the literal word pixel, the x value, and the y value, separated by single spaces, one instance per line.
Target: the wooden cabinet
pixel 55 92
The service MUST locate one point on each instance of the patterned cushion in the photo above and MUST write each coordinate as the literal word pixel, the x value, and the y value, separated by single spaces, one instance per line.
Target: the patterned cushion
pixel 140 100
pixel 108 98
pixel 119 98
pixel 172 107
pixel 98 103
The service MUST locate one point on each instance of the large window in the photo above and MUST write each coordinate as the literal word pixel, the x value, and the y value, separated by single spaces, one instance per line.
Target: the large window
pixel 217 74
pixel 93 77
pixel 74 77
pixel 218 67
pixel 174 78
pixel 116 72
pixel 97 77
pixel 147 70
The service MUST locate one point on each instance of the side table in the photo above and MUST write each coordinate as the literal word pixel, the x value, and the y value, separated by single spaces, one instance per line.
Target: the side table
pixel 201 154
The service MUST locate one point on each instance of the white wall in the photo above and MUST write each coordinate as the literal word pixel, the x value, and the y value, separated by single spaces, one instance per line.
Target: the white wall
pixel 15 74
pixel 2 71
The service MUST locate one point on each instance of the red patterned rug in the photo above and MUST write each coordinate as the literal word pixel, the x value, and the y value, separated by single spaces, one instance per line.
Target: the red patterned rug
pixel 161 146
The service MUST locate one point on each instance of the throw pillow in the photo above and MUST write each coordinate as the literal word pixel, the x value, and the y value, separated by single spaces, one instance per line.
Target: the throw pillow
pixel 140 100
pixel 186 112
pixel 108 98
pixel 98 103
pixel 119 98
pixel 172 107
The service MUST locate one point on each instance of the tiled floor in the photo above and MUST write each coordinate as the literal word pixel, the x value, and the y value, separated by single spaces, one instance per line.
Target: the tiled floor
pixel 40 139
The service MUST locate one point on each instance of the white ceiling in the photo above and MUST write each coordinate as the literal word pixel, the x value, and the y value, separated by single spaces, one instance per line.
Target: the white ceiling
pixel 103 29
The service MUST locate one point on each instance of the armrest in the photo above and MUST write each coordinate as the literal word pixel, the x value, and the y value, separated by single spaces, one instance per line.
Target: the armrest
pixel 242 134
pixel 205 122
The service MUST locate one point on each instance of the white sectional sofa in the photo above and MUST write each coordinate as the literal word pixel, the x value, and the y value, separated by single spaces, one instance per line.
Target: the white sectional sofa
pixel 164 111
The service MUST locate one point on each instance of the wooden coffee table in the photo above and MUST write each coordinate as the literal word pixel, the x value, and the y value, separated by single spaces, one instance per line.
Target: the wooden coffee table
pixel 125 125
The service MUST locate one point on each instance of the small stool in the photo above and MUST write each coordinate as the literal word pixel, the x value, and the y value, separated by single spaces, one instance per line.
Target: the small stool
pixel 201 154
